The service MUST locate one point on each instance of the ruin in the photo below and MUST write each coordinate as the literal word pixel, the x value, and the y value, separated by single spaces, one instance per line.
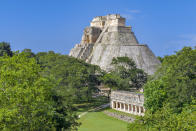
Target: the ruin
pixel 108 37
pixel 129 102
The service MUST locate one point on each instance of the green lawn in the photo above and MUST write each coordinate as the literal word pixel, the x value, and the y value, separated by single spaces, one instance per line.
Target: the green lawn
pixel 98 121
pixel 95 102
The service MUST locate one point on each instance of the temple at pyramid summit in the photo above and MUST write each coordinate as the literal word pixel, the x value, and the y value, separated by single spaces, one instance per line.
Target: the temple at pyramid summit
pixel 108 37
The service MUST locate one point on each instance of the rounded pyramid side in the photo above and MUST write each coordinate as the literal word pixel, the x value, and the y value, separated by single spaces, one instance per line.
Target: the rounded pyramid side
pixel 144 58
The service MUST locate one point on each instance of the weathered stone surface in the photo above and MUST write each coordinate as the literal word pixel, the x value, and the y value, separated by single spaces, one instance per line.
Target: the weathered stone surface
pixel 108 37
pixel 120 117
pixel 127 97
pixel 129 102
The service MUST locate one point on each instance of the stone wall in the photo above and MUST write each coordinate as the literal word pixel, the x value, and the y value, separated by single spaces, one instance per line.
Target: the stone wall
pixel 129 102
pixel 141 54
pixel 82 51
pixel 112 20
pixel 120 117
pixel 90 35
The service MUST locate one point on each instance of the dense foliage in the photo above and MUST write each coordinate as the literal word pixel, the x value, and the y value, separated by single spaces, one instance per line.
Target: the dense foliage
pixel 75 77
pixel 165 119
pixel 170 95
pixel 175 81
pixel 5 49
pixel 38 90
pixel 125 75
pixel 26 97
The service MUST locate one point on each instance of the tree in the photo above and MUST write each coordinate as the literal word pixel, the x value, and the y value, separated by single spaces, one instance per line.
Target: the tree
pixel 177 74
pixel 125 75
pixel 26 97
pixel 28 52
pixel 74 76
pixel 160 58
pixel 23 94
pixel 165 119
pixel 155 95
pixel 5 49
pixel 170 95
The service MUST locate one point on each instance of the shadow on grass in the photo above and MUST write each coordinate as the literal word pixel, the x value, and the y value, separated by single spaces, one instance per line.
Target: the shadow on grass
pixel 95 102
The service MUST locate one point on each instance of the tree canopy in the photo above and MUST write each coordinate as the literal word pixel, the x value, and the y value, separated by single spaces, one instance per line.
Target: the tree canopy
pixel 5 49
pixel 74 76
pixel 27 97
pixel 175 81
pixel 170 95
pixel 125 75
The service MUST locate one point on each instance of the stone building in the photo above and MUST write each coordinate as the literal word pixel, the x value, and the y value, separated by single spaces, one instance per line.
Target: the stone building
pixel 104 91
pixel 129 102
pixel 108 37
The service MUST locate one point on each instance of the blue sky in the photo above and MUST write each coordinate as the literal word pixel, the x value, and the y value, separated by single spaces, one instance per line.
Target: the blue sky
pixel 42 25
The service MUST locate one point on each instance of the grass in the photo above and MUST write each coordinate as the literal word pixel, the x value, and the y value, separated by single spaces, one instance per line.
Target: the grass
pixel 98 121
pixel 85 106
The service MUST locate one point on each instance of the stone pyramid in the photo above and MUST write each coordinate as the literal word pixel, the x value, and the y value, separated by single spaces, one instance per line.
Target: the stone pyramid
pixel 108 37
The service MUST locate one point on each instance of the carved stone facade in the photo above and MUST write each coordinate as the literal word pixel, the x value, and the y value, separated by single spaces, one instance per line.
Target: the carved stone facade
pixel 108 37
pixel 112 20
pixel 90 35
pixel 129 102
